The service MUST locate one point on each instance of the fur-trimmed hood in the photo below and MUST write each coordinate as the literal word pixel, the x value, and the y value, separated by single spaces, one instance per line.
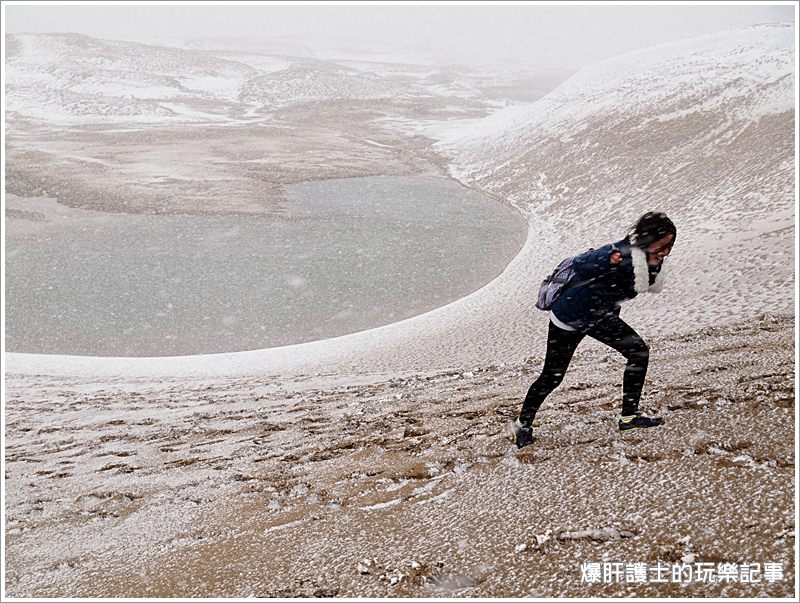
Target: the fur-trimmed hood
pixel 641 273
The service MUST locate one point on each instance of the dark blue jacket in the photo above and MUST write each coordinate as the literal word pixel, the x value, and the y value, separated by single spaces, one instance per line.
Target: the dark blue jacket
pixel 584 306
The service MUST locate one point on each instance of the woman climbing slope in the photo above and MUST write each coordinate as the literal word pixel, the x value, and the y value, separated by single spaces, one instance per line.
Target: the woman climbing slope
pixel 590 305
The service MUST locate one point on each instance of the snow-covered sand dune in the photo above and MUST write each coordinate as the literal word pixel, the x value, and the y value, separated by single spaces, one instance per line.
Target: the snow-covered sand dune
pixel 702 129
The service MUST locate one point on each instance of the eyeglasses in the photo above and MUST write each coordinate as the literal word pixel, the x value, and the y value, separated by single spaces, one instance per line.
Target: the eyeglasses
pixel 662 250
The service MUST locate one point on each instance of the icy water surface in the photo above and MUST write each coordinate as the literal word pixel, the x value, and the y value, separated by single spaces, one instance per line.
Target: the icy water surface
pixel 356 253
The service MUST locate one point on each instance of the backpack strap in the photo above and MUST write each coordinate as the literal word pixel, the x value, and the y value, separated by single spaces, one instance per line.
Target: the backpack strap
pixel 591 280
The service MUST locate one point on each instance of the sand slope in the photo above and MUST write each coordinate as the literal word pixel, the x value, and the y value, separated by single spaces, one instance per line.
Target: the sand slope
pixel 285 487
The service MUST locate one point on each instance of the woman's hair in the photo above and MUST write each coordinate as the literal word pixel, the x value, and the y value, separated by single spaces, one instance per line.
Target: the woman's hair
pixel 650 228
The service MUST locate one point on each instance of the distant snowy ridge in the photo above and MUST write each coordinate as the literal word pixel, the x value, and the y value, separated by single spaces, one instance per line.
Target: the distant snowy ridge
pixel 310 84
pixel 72 78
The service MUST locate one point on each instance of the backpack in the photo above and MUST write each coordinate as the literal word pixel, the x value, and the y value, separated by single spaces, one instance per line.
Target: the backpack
pixel 555 284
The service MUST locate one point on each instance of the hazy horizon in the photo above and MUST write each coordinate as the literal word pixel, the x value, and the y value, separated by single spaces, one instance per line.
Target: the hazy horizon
pixel 562 36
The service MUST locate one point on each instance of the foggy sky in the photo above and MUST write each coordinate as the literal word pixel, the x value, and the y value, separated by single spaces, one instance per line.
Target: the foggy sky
pixel 569 36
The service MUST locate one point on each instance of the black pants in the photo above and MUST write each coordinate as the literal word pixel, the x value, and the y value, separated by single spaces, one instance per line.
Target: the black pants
pixel 561 345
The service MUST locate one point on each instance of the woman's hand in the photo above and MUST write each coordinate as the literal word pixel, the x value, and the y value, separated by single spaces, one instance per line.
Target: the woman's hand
pixel 616 258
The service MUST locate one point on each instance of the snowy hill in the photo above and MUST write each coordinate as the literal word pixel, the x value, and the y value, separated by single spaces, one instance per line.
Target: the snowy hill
pixel 71 78
pixel 650 106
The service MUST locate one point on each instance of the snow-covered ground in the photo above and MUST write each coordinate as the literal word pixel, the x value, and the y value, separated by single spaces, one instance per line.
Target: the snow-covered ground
pixel 374 464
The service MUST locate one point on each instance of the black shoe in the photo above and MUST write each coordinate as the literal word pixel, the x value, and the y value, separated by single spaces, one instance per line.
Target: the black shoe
pixel 639 422
pixel 520 435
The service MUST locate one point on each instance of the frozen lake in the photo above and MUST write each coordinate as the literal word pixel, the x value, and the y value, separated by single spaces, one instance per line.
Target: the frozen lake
pixel 352 254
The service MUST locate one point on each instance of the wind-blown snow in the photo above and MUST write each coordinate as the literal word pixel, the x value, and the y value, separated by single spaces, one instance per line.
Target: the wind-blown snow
pixel 122 473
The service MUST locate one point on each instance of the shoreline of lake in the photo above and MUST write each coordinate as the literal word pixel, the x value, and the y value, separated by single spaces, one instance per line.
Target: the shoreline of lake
pixel 238 284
